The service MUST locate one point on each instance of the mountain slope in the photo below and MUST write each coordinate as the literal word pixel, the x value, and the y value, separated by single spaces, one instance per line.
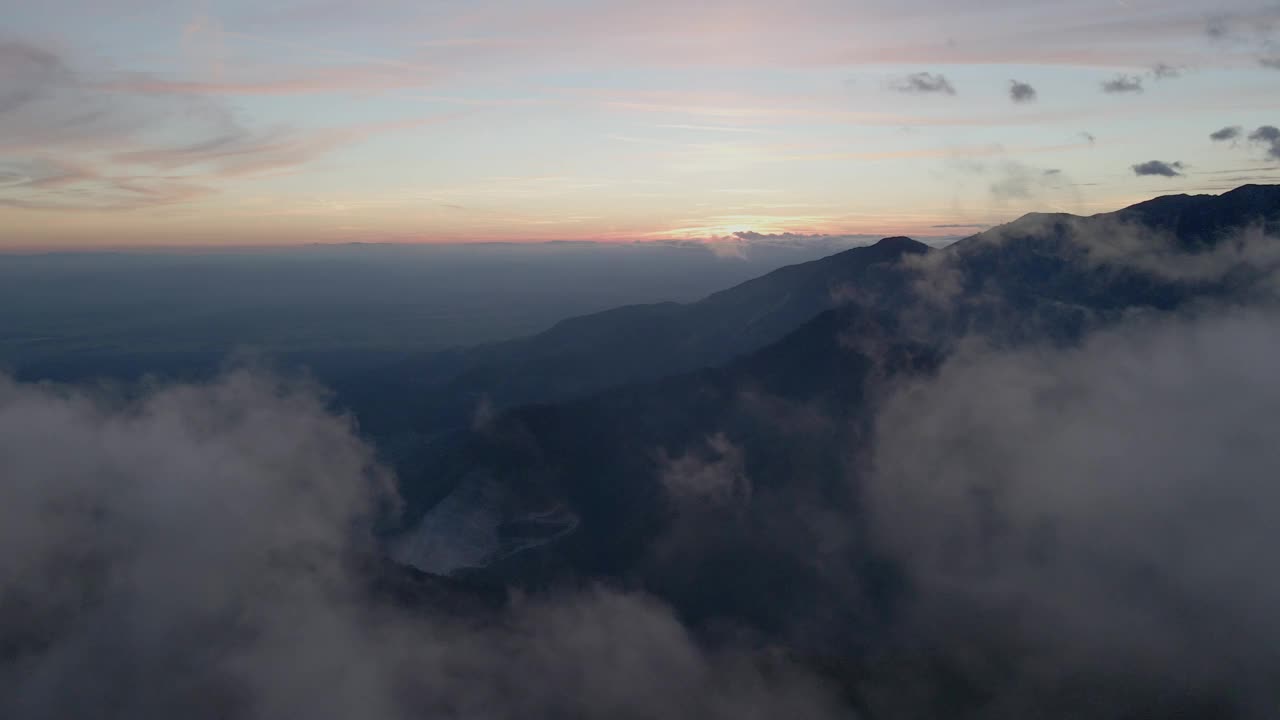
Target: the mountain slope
pixel 1054 274
pixel 1040 273
pixel 789 412
pixel 733 492
pixel 627 344
pixel 793 409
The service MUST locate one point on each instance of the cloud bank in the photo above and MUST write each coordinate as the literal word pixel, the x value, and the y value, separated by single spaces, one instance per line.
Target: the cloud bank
pixel 1108 511
pixel 196 551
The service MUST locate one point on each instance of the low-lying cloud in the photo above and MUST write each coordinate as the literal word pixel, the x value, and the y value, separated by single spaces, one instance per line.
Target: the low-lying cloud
pixel 742 244
pixel 197 551
pixel 714 475
pixel 1107 510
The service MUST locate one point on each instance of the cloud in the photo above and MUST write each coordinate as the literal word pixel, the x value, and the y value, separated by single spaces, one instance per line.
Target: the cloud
pixel 1265 133
pixel 791 238
pixel 1123 84
pixel 1158 167
pixel 1231 132
pixel 50 183
pixel 1268 135
pixel 149 146
pixel 1021 92
pixel 48 106
pixel 1249 259
pixel 204 551
pixel 41 172
pixel 740 245
pixel 238 152
pixel 714 475
pixel 313 82
pixel 1099 515
pixel 922 83
pixel 27 72
pixel 44 103
pixel 1224 29
pixel 1218 27
pixel 1013 180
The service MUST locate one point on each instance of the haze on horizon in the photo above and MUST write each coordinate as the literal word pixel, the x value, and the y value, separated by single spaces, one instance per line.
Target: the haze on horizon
pixel 224 122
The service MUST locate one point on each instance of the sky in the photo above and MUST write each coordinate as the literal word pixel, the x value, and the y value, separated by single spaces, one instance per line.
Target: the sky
pixel 130 123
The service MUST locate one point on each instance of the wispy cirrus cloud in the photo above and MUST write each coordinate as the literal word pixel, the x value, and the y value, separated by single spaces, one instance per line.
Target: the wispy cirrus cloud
pixel 41 172
pixel 341 79
pixel 135 143
pixel 245 152
pixel 45 104
pixel 85 190
pixel 769 112
pixel 249 91
pixel 241 152
pixel 757 33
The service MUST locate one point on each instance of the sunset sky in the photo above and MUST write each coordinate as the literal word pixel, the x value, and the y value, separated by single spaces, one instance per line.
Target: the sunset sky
pixel 132 123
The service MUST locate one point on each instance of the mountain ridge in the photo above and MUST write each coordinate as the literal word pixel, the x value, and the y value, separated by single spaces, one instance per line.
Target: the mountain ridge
pixel 630 343
pixel 834 363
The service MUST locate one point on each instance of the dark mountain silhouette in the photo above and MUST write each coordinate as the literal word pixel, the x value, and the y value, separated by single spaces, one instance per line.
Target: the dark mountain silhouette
pixel 1054 275
pixel 1200 221
pixel 1035 272
pixel 710 488
pixel 795 407
pixel 627 344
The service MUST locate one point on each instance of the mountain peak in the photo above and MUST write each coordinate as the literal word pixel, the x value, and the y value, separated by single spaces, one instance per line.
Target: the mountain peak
pixel 899 242
pixel 1242 197
pixel 1254 192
